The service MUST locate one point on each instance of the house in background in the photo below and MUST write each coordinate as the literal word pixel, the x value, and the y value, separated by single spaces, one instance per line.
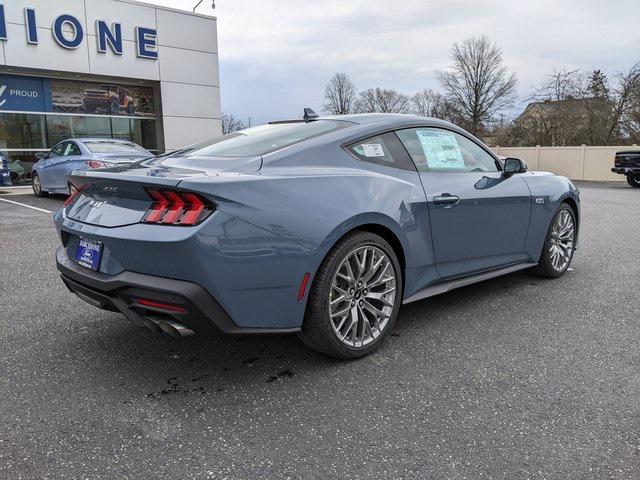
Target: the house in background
pixel 572 121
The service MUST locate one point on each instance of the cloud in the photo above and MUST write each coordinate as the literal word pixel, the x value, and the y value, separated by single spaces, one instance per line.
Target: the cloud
pixel 277 55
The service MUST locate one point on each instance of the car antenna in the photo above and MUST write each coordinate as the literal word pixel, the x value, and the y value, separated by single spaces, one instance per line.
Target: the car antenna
pixel 310 115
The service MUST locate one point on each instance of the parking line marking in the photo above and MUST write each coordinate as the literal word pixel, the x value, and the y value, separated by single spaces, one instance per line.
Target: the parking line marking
pixel 25 205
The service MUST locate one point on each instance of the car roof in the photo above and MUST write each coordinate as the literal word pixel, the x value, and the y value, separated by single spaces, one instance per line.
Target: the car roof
pixel 103 140
pixel 391 120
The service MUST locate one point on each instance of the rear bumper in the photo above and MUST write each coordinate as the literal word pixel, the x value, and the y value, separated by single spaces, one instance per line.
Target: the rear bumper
pixel 626 170
pixel 196 308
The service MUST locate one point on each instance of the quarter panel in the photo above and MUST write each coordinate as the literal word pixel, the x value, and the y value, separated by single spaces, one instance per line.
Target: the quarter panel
pixel 314 206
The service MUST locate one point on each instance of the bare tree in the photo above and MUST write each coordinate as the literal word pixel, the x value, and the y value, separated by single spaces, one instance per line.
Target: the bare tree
pixel 428 103
pixel 381 100
pixel 231 124
pixel 559 114
pixel 367 101
pixel 561 85
pixel 626 93
pixel 478 84
pixel 340 95
pixel 631 124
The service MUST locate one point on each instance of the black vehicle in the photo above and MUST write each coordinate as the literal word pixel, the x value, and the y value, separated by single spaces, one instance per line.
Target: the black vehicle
pixel 628 163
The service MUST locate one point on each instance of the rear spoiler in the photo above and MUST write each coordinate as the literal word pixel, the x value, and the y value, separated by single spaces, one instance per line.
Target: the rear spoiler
pixel 80 179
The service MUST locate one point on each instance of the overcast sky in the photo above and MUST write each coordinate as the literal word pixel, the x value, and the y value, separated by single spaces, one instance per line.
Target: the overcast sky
pixel 277 55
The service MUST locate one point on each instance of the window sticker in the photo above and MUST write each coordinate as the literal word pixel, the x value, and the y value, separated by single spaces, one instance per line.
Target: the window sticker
pixel 441 149
pixel 372 150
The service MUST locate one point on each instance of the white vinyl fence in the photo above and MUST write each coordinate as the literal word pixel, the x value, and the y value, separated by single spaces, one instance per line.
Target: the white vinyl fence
pixel 577 163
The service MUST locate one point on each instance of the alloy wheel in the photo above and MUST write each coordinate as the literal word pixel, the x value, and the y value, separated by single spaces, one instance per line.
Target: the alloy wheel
pixel 561 240
pixel 362 297
pixel 37 187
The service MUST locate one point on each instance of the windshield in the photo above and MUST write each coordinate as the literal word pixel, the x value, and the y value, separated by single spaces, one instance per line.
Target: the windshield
pixel 263 139
pixel 113 147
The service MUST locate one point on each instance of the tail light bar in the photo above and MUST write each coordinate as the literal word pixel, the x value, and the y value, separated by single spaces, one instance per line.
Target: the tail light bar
pixel 171 207
pixel 95 164
pixel 74 193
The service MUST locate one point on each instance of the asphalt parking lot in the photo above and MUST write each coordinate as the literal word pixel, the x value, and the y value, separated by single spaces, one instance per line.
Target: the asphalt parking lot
pixel 515 378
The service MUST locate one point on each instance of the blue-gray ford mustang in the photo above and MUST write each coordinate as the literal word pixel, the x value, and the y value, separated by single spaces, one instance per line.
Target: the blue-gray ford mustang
pixel 323 227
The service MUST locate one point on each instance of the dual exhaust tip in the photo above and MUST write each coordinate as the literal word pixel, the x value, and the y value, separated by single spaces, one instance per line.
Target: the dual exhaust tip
pixel 170 327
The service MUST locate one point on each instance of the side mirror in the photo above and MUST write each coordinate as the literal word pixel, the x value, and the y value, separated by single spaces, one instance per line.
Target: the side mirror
pixel 514 165
pixel 41 155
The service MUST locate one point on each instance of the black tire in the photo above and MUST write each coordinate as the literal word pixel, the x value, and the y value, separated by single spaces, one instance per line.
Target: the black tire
pixel 634 180
pixel 36 185
pixel 545 268
pixel 317 330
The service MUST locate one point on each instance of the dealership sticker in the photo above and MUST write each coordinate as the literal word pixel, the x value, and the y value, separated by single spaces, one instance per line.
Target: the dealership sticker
pixel 373 150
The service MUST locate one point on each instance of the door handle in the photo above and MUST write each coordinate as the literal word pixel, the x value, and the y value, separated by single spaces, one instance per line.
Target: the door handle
pixel 446 200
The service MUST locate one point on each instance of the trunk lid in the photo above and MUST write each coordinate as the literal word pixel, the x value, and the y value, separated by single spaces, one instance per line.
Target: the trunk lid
pixel 117 158
pixel 115 197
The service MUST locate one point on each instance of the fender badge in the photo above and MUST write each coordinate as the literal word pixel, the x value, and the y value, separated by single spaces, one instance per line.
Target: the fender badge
pixel 540 200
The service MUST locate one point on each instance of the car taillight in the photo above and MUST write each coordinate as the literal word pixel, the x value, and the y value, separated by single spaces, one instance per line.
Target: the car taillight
pixel 74 193
pixel 95 164
pixel 171 207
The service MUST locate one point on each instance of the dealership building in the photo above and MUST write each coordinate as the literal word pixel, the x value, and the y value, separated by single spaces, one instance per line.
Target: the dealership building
pixel 104 68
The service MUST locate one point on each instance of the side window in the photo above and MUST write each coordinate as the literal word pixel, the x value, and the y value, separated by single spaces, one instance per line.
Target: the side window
pixel 438 150
pixel 58 150
pixel 383 149
pixel 72 149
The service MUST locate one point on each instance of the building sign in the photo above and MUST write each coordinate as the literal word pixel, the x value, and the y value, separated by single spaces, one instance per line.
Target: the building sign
pixel 28 94
pixel 69 32
pixel 25 94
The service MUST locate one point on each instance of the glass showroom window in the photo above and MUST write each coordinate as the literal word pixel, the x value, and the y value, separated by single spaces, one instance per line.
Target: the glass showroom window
pixel 99 127
pixel 147 133
pixel 62 127
pixel 142 132
pixel 59 127
pixel 21 135
pixel 19 130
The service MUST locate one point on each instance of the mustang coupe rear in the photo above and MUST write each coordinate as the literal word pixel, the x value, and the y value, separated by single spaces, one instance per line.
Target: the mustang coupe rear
pixel 323 227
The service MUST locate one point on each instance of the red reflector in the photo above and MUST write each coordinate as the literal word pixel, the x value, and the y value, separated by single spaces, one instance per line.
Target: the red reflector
pixel 303 286
pixel 175 208
pixel 145 302
pixel 74 193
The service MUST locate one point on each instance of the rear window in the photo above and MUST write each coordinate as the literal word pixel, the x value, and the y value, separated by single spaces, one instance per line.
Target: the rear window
pixel 263 139
pixel 112 147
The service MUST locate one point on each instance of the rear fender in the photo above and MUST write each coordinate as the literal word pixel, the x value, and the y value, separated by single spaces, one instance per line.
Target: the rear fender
pixel 355 223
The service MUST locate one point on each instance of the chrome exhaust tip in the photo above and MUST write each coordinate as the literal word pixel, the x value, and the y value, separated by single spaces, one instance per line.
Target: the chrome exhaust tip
pixel 152 324
pixel 175 329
